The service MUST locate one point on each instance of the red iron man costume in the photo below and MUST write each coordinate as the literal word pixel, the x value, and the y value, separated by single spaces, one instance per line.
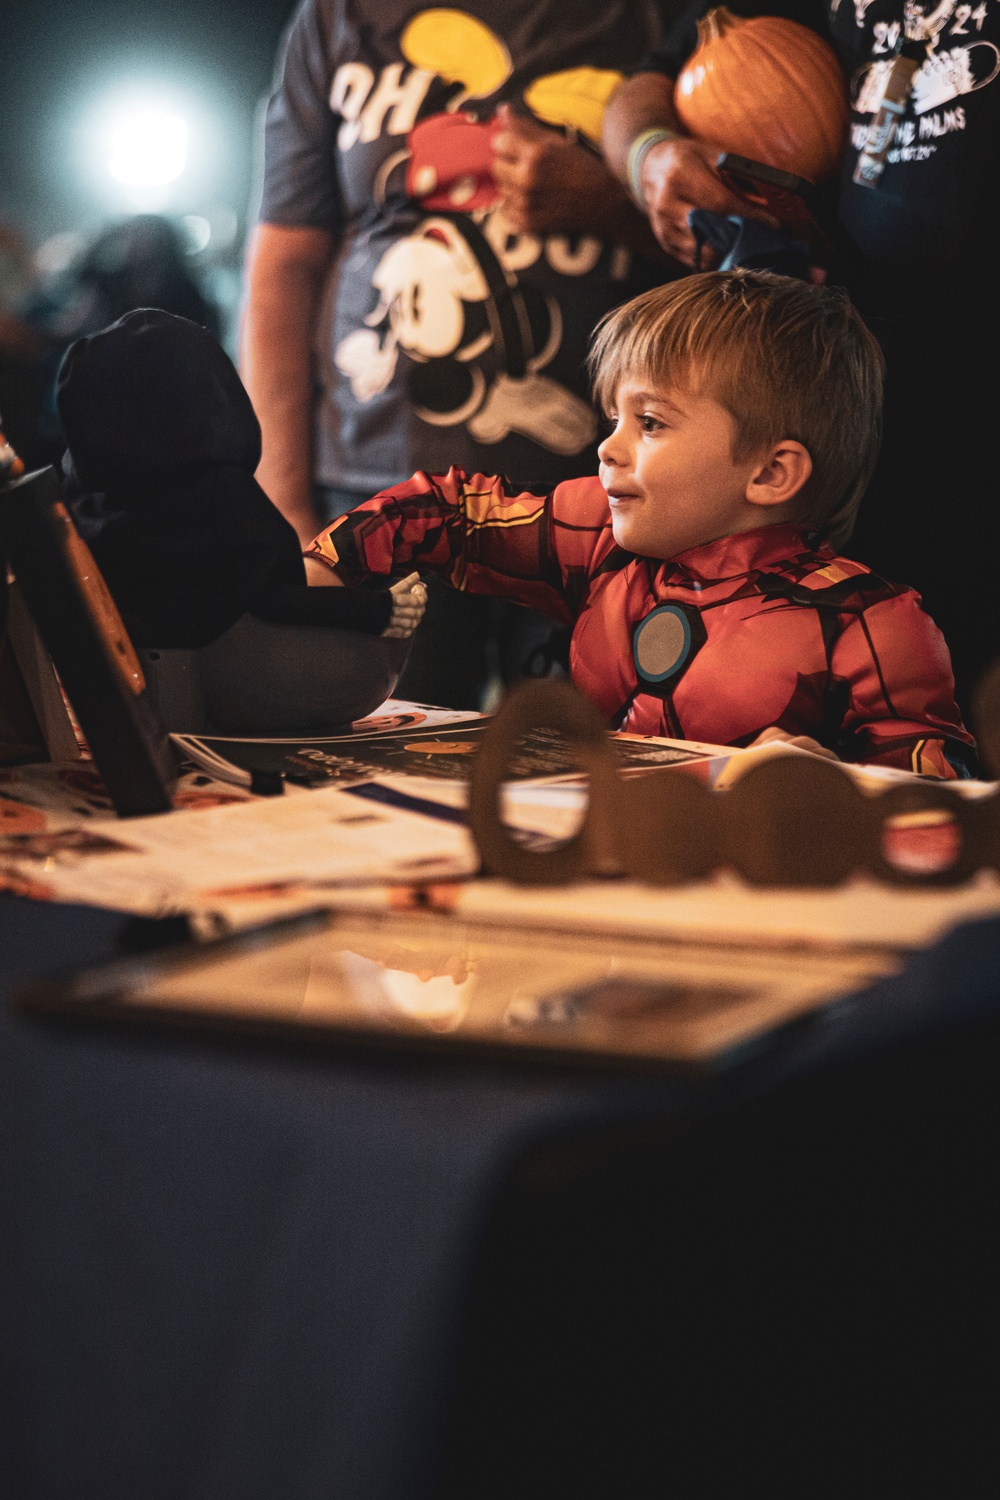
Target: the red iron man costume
pixel 717 644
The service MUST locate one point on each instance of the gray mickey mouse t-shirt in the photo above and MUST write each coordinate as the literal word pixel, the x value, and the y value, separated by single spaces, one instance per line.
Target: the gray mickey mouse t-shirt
pixel 445 338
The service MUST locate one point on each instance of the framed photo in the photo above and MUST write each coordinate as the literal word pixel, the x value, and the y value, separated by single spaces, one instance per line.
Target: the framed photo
pixel 83 633
pixel 434 983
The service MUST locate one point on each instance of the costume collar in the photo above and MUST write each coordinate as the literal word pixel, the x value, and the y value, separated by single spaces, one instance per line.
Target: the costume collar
pixel 746 552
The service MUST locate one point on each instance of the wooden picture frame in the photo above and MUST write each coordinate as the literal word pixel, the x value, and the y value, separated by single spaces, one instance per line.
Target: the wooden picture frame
pixel 40 680
pixel 83 633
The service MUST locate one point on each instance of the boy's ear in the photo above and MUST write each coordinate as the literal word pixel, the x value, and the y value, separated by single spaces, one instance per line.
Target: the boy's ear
pixel 780 475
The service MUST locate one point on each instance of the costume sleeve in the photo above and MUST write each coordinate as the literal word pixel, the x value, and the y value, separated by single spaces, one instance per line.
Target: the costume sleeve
pixel 300 180
pixel 682 38
pixel 535 549
pixel 892 663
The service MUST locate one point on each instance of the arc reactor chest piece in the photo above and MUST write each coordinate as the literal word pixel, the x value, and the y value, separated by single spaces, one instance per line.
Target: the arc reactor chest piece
pixel 663 646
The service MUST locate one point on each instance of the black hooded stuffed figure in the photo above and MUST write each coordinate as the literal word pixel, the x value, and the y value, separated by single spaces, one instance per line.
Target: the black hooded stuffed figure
pixel 163 445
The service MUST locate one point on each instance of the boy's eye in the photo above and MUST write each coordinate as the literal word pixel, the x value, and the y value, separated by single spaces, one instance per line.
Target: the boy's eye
pixel 649 423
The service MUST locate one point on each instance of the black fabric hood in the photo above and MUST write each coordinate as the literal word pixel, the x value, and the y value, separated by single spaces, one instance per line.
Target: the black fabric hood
pixel 149 397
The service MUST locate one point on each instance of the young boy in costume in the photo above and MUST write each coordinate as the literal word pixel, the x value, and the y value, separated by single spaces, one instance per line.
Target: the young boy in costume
pixel 700 571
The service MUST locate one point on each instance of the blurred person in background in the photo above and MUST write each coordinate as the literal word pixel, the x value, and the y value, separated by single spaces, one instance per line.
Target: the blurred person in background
pixel 139 262
pixel 438 238
pixel 22 348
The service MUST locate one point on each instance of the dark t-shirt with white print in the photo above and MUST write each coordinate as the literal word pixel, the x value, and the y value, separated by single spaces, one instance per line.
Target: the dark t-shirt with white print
pixel 928 227
pixel 445 338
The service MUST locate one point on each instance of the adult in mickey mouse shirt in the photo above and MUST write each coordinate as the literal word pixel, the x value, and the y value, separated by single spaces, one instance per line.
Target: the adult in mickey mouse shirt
pixel 916 252
pixel 438 237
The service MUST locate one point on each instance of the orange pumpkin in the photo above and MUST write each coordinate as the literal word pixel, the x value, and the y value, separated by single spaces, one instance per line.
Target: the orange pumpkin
pixel 765 88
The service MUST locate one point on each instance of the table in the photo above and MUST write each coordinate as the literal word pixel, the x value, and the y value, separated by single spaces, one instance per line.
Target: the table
pixel 240 1271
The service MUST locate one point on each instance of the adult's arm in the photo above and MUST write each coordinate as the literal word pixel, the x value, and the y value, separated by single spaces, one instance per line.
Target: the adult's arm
pixel 677 174
pixel 301 218
pixel 285 275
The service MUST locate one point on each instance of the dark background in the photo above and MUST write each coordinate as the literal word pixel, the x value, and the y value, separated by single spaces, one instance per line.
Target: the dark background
pixel 60 56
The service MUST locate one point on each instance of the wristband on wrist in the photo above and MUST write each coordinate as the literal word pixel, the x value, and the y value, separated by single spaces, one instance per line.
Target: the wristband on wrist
pixel 644 142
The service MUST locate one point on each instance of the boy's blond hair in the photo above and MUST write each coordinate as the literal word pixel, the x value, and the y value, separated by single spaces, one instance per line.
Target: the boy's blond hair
pixel 786 360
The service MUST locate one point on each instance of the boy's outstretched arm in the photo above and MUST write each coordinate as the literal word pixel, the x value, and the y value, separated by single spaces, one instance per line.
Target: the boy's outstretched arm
pixel 473 533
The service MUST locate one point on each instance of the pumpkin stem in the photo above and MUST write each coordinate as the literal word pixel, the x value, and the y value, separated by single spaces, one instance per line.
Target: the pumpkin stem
pixel 716 23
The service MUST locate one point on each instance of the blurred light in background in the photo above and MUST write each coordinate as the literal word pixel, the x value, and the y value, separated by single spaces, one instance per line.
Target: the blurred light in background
pixel 147 145
pixel 148 148
pixel 197 232
pixel 56 254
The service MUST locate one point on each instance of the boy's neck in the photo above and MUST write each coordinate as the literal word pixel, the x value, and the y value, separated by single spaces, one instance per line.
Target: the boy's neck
pixel 738 551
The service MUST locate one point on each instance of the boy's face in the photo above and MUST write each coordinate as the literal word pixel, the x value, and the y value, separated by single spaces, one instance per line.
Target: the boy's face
pixel 669 471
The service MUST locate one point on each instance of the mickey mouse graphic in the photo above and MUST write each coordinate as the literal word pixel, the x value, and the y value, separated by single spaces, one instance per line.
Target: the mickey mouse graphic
pixel 478 342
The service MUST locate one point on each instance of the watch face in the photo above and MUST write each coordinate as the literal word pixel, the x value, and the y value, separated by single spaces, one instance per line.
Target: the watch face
pixel 664 643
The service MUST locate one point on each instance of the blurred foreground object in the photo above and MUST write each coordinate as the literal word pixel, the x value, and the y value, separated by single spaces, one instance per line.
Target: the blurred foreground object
pixel 207 574
pixel 163 438
pixel 790 821
pixel 90 648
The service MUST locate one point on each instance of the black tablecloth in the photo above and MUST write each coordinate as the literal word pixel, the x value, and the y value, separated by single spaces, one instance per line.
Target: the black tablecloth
pixel 232 1270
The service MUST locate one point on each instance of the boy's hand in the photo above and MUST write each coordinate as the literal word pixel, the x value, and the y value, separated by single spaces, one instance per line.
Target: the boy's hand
pixel 409 600
pixel 800 741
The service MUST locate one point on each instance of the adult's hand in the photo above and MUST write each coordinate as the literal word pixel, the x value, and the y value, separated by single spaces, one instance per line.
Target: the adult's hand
pixel 677 176
pixel 550 185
